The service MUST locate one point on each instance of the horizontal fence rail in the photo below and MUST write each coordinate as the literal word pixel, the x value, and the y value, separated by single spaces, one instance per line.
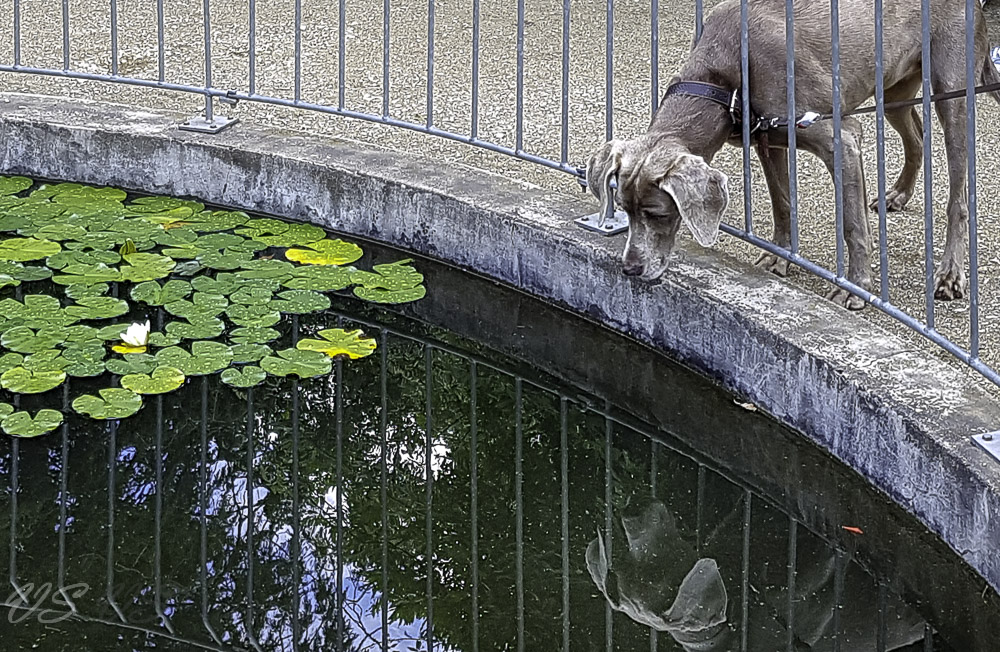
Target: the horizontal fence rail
pixel 548 81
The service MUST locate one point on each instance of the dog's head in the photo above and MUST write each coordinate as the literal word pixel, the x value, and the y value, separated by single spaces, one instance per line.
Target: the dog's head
pixel 657 580
pixel 660 186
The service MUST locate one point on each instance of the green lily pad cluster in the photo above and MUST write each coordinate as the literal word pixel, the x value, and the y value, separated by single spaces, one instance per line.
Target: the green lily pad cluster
pixel 80 265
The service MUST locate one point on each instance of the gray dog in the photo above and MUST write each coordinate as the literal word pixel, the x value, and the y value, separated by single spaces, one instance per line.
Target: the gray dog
pixel 664 177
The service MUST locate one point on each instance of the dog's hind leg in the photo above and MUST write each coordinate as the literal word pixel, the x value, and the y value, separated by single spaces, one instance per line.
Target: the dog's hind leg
pixel 818 139
pixel 774 161
pixel 909 126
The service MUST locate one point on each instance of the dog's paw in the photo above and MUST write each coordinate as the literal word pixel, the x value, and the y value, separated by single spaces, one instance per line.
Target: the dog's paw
pixel 949 281
pixel 845 299
pixel 895 200
pixel 774 264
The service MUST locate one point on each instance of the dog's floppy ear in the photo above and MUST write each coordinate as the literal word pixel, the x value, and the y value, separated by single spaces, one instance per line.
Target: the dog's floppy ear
pixel 603 166
pixel 701 194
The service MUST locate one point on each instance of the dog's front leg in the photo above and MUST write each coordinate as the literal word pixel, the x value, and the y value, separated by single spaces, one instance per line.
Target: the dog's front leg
pixel 818 139
pixel 774 162
pixel 949 278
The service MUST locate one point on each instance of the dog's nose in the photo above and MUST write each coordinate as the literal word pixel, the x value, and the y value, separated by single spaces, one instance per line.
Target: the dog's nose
pixel 633 269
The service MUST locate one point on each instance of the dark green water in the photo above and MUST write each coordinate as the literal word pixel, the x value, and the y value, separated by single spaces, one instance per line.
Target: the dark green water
pixel 454 486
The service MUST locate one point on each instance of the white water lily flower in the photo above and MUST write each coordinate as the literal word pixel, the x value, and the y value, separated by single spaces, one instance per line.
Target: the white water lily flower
pixel 137 334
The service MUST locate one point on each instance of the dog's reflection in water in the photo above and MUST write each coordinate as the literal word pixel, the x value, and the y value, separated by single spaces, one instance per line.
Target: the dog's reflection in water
pixel 656 579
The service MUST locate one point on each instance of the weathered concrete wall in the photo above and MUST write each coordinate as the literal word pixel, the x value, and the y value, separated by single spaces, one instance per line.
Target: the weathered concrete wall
pixel 899 417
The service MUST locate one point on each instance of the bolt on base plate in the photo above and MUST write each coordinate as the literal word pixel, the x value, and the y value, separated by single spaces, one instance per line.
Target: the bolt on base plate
pixel 989 442
pixel 612 226
pixel 213 126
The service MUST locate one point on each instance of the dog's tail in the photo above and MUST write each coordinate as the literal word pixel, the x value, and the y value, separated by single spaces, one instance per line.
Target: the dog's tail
pixel 991 76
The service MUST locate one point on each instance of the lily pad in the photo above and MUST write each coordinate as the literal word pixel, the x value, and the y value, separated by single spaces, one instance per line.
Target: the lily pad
pixel 320 278
pixel 296 362
pixel 154 294
pixel 113 403
pixel 337 341
pixel 217 220
pixel 249 376
pixel 98 308
pixel 14 185
pixel 135 363
pixel 326 252
pixel 263 227
pixel 60 231
pixel 265 268
pixel 295 234
pixel 301 302
pixel 76 292
pixel 201 306
pixel 48 360
pixel 79 257
pixel 10 360
pixel 24 272
pixel 146 267
pixel 245 353
pixel 161 381
pixel 144 205
pixel 163 339
pixel 196 329
pixel 224 261
pixel 224 284
pixel 24 381
pixel 380 295
pixel 79 274
pixel 24 340
pixel 22 424
pixel 253 316
pixel 390 276
pixel 252 296
pixel 84 361
pixel 254 335
pixel 204 358
pixel 23 249
pixel 6 409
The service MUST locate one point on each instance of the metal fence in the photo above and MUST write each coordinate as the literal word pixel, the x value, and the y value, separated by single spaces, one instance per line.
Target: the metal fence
pixel 578 43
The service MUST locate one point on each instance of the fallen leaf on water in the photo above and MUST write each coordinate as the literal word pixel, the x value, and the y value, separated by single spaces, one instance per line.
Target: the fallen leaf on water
pixel 851 529
pixel 750 407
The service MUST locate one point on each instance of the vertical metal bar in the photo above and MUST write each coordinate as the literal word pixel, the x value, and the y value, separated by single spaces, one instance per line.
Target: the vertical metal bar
pixel 745 582
pixel 429 491
pixel 65 33
pixel 386 24
pixel 519 510
pixel 519 93
pixel 793 183
pixel 253 47
pixel 699 21
pixel 161 64
pixel 700 509
pixel 158 524
pixel 474 497
pixel 838 139
pixel 298 51
pixel 14 455
pixel 341 54
pixel 971 77
pixel 296 509
pixel 654 54
pixel 882 631
pixel 928 638
pixel 109 592
pixel 609 72
pixel 564 140
pixel 338 401
pixel 608 514
pixel 653 471
pixel 883 235
pixel 383 469
pixel 203 512
pixel 838 596
pixel 250 515
pixel 793 555
pixel 475 68
pixel 564 515
pixel 430 63
pixel 207 21
pixel 63 481
pixel 745 91
pixel 925 62
pixel 114 38
pixel 17 32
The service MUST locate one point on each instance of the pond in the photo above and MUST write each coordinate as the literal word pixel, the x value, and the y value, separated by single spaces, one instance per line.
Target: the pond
pixel 496 475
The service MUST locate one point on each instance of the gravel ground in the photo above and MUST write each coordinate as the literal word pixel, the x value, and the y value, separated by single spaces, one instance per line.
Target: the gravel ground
pixel 90 26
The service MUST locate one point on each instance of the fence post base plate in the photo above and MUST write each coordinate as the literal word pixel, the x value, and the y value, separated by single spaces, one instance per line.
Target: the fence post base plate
pixel 612 226
pixel 989 442
pixel 213 126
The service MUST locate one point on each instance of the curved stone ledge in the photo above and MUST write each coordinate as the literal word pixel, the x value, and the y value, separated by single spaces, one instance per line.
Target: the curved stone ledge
pixel 898 417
